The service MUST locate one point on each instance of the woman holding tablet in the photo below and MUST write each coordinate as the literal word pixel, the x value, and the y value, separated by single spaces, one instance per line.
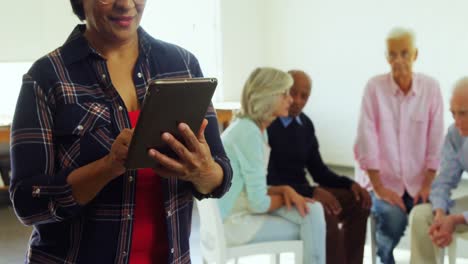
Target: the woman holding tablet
pixel 70 137
pixel 251 210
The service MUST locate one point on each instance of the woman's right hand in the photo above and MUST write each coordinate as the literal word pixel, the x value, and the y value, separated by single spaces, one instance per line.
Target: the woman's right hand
pixel 118 154
pixel 291 197
pixel 88 180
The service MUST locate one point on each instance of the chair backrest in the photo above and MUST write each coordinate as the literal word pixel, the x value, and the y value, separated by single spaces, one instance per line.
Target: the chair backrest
pixel 213 243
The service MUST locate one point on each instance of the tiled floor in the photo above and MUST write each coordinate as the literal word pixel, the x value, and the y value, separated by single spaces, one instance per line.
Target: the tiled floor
pixel 14 237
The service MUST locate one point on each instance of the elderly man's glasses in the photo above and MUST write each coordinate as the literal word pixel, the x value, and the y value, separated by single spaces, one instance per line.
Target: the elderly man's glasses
pixel 108 2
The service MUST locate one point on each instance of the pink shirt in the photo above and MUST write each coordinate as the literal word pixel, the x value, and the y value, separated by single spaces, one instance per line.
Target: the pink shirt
pixel 401 136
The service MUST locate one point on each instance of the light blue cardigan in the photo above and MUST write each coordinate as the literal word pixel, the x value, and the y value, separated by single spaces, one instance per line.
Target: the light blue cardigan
pixel 244 144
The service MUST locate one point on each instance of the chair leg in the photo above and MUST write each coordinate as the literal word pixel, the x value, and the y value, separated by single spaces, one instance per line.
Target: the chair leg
pixel 298 257
pixel 371 232
pixel 452 251
pixel 441 256
pixel 275 258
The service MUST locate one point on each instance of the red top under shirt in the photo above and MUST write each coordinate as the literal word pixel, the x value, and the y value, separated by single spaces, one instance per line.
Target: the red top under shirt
pixel 149 238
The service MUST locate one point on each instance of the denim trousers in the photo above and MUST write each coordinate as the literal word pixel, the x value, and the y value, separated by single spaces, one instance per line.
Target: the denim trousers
pixel 391 222
pixel 284 224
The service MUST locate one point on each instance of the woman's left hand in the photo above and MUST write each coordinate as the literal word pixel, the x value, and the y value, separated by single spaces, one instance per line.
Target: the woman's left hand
pixel 291 197
pixel 195 162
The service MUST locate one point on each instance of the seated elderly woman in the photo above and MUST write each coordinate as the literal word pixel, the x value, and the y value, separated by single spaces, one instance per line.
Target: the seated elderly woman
pixel 251 210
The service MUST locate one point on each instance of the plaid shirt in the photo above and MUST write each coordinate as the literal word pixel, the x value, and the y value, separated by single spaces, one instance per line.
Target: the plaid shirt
pixel 68 115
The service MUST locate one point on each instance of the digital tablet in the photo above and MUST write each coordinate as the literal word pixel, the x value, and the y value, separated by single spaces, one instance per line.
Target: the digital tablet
pixel 168 103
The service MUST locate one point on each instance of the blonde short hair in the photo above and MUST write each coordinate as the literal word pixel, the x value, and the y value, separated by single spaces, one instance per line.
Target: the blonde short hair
pixel 261 93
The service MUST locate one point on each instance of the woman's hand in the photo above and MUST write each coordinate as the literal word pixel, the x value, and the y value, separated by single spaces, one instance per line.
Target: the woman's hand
pixel 291 197
pixel 88 181
pixel 195 162
pixel 117 156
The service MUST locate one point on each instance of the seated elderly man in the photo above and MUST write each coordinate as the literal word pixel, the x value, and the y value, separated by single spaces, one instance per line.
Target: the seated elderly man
pixel 294 148
pixel 399 137
pixel 433 225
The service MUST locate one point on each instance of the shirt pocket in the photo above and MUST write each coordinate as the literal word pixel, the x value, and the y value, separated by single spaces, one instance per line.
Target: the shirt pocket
pixel 80 119
pixel 82 132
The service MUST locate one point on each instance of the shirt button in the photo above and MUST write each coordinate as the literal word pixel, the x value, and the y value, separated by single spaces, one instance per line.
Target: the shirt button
pixel 169 213
pixel 129 216
pixel 140 75
pixel 130 179
pixel 37 191
pixel 172 250
pixel 80 127
pixel 120 108
pixel 103 76
pixel 124 253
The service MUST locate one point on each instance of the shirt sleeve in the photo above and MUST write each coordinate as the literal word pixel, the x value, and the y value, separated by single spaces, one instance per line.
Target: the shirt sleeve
pixel 216 147
pixel 39 189
pixel 449 175
pixel 436 131
pixel 366 146
pixel 320 172
pixel 252 159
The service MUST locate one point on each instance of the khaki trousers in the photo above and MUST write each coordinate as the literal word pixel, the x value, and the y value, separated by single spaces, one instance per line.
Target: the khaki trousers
pixel 422 248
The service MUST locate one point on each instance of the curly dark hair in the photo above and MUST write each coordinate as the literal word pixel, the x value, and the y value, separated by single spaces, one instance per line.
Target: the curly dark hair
pixel 77 6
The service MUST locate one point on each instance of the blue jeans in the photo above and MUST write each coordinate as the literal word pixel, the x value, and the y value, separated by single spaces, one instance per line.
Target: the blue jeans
pixel 391 223
pixel 284 224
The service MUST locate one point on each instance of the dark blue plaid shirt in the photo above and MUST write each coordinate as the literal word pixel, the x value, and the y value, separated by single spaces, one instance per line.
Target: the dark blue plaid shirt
pixel 68 115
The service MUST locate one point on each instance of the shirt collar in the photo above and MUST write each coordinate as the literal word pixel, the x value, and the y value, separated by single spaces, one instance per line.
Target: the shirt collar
pixel 396 89
pixel 287 120
pixel 77 48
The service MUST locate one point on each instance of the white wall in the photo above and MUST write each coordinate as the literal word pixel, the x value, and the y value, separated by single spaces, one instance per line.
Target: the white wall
pixel 193 25
pixel 32 28
pixel 341 44
pixel 243 32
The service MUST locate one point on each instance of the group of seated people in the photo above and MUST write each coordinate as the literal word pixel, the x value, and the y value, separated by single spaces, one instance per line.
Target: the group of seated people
pixel 399 150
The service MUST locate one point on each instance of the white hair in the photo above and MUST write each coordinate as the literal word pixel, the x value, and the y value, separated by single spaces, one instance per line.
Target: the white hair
pixel 401 32
pixel 261 93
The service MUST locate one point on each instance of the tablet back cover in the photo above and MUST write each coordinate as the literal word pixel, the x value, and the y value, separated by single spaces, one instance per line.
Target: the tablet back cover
pixel 168 103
